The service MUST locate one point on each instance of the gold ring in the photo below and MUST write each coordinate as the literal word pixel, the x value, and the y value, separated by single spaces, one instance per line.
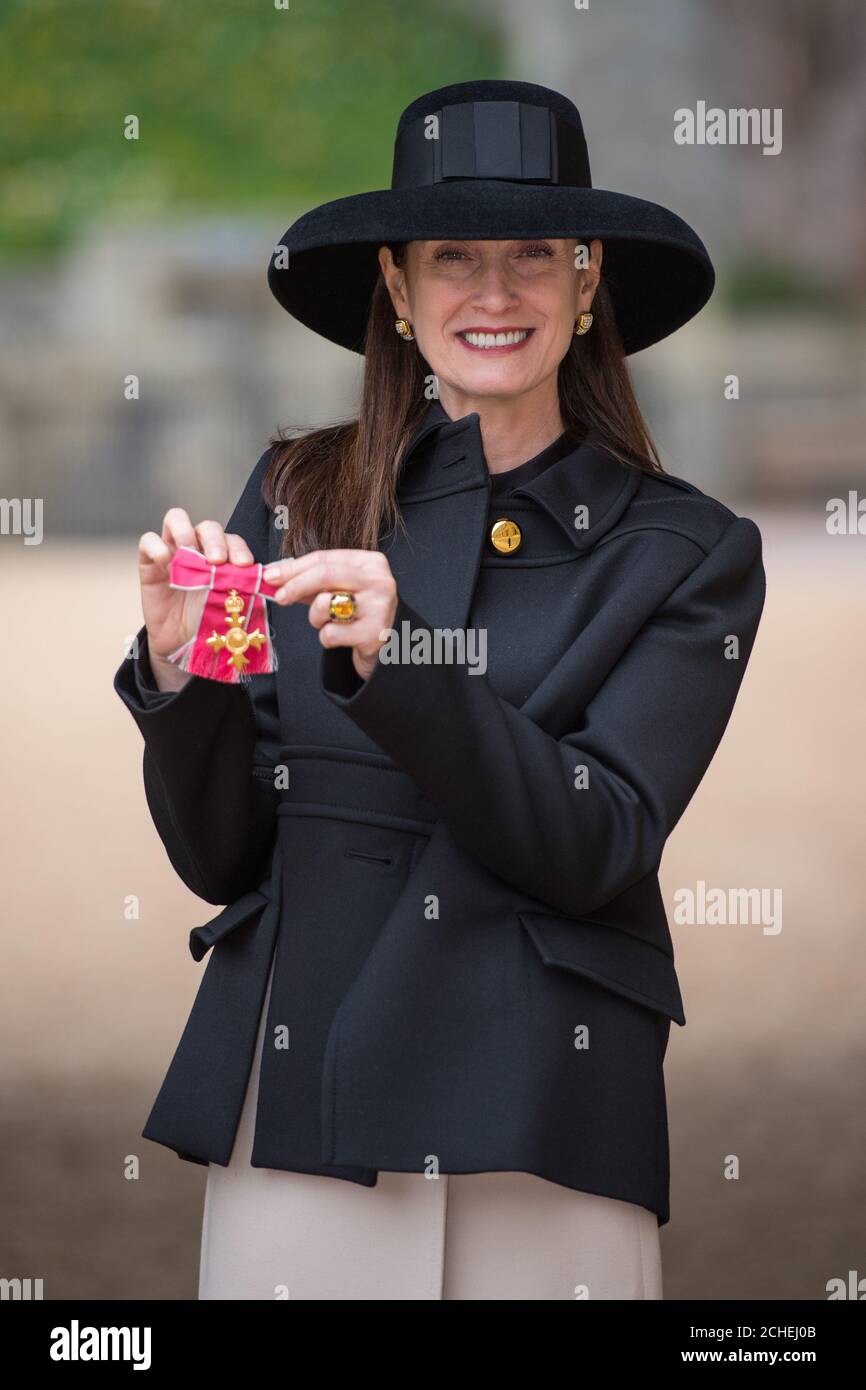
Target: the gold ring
pixel 342 608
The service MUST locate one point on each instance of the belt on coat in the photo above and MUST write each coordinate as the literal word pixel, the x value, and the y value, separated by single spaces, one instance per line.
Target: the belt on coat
pixel 350 785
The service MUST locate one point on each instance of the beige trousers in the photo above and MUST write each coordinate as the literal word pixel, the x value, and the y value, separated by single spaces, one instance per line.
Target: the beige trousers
pixel 269 1234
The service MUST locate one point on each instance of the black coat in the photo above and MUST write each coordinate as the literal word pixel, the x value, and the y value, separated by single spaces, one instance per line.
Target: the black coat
pixel 473 959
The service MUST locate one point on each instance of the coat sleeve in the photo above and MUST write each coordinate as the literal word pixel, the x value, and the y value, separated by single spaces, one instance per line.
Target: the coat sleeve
pixel 510 793
pixel 215 816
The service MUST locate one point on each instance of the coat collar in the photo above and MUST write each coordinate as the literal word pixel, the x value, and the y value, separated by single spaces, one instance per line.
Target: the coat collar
pixel 445 455
pixel 444 483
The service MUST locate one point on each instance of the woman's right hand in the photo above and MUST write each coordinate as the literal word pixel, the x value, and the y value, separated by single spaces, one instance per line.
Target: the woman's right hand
pixel 171 616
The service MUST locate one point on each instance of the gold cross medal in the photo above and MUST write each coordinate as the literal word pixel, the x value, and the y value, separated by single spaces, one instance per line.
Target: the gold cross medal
pixel 237 640
pixel 235 596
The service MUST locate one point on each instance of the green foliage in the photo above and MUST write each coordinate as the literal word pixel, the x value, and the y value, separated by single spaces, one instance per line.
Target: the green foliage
pixel 242 105
pixel 760 285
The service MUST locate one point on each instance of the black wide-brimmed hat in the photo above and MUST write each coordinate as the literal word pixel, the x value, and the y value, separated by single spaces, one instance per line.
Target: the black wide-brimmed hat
pixel 491 161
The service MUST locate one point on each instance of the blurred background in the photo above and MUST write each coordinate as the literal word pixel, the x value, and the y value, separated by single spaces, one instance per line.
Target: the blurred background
pixel 146 257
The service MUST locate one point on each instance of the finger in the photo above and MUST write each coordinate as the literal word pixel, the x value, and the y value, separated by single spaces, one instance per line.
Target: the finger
pixel 365 562
pixel 363 634
pixel 212 542
pixel 154 551
pixel 281 570
pixel 329 574
pixel 339 635
pixel 305 585
pixel 177 529
pixel 320 612
pixel 239 551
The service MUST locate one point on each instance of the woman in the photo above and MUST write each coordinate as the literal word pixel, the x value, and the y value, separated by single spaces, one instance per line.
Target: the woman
pixel 509 645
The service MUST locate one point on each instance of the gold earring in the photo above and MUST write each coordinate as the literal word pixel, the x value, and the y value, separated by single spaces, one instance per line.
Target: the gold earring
pixel 583 325
pixel 404 328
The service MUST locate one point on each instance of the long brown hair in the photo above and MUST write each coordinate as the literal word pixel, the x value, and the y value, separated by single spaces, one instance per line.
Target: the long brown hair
pixel 337 485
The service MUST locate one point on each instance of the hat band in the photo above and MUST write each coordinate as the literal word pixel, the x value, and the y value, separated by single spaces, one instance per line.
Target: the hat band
pixel 491 140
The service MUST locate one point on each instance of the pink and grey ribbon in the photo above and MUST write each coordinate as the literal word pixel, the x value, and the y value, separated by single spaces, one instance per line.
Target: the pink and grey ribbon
pixel 233 641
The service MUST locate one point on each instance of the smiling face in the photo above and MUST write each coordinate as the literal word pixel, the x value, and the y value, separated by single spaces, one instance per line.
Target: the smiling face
pixel 492 318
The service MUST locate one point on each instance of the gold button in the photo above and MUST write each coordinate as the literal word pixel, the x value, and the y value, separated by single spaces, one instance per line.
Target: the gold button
pixel 505 535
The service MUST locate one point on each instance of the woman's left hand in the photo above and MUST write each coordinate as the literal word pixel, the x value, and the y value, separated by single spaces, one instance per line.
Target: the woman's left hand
pixel 366 574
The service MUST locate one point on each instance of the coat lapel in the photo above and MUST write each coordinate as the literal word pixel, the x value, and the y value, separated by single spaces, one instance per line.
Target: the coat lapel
pixel 444 499
pixel 587 492
pixel 444 495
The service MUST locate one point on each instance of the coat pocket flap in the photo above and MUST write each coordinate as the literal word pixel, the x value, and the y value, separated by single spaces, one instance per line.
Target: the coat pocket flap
pixel 202 938
pixel 610 956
